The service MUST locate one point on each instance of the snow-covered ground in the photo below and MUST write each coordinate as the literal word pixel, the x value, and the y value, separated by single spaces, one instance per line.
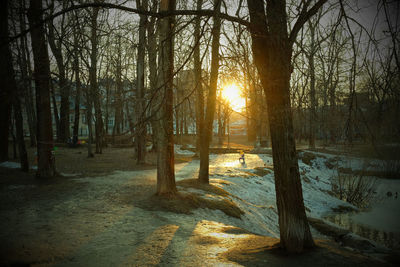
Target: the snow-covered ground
pixel 254 194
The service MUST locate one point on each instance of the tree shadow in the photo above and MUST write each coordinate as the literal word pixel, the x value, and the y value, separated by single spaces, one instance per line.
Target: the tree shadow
pixel 266 251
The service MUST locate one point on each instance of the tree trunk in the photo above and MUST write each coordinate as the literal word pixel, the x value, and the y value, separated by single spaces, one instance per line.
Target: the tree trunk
pixel 78 86
pixel 46 160
pixel 252 130
pixel 64 132
pixel 153 67
pixel 23 155
pixel 55 109
pixel 5 83
pixel 211 100
pixel 272 54
pixel 197 79
pixel 89 115
pixel 25 66
pixel 165 137
pixel 313 102
pixel 140 68
pixel 118 103
pixel 95 93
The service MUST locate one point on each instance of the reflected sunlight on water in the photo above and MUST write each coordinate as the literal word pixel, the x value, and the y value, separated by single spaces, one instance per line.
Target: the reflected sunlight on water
pixel 385 238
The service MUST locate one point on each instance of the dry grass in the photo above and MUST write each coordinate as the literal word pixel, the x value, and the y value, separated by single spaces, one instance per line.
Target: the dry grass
pixel 75 160
pixel 187 202
pixel 262 171
pixel 194 183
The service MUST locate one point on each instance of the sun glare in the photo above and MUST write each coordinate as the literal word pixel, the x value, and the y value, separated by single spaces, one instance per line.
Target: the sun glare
pixel 232 94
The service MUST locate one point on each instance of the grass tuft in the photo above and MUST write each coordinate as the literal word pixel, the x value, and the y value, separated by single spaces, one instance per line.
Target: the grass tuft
pixel 185 203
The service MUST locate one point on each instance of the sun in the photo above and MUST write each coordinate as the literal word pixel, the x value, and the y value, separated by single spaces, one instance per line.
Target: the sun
pixel 233 95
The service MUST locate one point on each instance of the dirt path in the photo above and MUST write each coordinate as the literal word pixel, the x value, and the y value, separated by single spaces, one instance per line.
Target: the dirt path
pixel 97 221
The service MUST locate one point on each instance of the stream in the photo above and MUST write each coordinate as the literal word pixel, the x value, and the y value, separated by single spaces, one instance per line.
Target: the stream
pixel 380 223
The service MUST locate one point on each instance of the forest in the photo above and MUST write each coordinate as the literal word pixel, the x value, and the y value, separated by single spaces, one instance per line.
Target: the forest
pixel 273 125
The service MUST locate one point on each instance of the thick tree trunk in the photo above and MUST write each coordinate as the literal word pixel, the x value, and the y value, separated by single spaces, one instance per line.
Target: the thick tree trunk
pixel 140 133
pixel 46 160
pixel 5 84
pixel 165 137
pixel 211 100
pixel 272 54
pixel 252 130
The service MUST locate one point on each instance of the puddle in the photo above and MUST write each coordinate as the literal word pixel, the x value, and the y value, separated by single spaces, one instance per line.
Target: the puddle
pixel 388 239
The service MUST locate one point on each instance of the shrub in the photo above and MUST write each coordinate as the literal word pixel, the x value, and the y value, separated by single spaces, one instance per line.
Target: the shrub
pixel 355 189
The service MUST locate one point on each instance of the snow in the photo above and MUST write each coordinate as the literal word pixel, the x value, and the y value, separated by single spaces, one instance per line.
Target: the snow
pixel 10 165
pixel 179 151
pixel 255 195
pixel 15 165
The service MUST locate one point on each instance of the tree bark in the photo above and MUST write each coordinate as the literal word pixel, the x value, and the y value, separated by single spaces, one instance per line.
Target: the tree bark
pixel 141 132
pixel 78 88
pixel 211 99
pixel 23 155
pixel 25 67
pixel 89 115
pixel 5 88
pixel 313 102
pixel 95 93
pixel 118 103
pixel 165 137
pixel 272 53
pixel 46 160
pixel 153 66
pixel 197 79
pixel 55 109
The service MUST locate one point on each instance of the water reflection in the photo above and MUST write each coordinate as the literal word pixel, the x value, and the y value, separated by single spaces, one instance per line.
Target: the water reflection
pixel 385 238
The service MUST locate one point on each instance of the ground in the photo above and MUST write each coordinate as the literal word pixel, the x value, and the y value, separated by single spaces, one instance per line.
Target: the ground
pixel 98 214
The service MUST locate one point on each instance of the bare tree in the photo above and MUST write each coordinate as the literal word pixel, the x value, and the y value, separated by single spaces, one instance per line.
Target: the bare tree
pixel 5 88
pixel 56 48
pixel 197 79
pixel 211 98
pixel 94 88
pixel 140 134
pixel 46 160
pixel 165 132
pixel 272 52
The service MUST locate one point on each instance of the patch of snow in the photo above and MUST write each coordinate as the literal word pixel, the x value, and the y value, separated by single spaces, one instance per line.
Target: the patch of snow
pixel 178 150
pixel 10 164
pixel 14 165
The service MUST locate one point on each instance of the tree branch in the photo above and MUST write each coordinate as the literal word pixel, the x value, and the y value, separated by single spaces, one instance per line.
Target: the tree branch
pixel 163 14
pixel 303 18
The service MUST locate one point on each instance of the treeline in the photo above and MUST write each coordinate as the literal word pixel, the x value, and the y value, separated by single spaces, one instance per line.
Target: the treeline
pixel 308 70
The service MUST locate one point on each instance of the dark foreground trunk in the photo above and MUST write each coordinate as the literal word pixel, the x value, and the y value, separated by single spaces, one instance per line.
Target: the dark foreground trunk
pixel 206 135
pixel 5 89
pixel 272 53
pixel 165 137
pixel 46 161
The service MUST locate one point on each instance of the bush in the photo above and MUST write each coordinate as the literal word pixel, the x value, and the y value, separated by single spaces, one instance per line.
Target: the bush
pixel 355 189
pixel 391 169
